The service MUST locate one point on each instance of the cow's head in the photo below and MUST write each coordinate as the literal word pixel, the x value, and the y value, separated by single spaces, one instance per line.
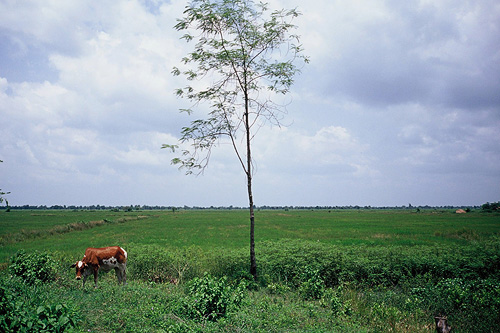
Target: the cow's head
pixel 82 269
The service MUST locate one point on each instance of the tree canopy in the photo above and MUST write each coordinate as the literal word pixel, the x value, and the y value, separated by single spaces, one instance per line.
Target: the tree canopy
pixel 246 56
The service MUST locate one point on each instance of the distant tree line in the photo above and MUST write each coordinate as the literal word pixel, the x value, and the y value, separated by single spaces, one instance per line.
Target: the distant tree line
pixel 131 208
pixel 491 207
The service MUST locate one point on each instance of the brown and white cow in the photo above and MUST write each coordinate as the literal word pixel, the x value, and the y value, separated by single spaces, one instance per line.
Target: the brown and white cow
pixel 105 258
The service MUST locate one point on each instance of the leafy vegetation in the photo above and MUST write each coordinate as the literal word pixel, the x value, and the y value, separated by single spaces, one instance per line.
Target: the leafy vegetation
pixel 312 284
pixel 34 267
pixel 349 271
pixel 210 298
pixel 27 307
pixel 473 302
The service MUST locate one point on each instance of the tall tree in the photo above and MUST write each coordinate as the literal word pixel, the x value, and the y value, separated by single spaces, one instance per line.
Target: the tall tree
pixel 247 56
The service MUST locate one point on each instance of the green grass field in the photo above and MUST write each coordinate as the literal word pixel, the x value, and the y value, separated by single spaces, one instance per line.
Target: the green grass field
pixel 37 230
pixel 370 265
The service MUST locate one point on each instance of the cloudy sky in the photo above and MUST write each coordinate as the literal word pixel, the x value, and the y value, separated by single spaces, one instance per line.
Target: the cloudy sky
pixel 400 104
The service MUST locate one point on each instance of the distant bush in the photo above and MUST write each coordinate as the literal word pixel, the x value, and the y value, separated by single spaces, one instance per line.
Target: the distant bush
pixel 491 207
pixel 33 267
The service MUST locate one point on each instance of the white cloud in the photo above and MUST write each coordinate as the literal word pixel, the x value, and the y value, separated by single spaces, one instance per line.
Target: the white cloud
pixel 331 151
pixel 56 23
pixel 400 101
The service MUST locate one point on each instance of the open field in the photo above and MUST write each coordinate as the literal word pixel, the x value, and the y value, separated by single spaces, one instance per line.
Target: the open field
pixel 373 270
pixel 38 230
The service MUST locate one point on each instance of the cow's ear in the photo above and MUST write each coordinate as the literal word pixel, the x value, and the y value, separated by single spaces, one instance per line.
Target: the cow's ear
pixel 72 266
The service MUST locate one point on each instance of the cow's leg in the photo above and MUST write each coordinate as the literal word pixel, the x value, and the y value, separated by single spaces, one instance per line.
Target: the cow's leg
pixel 86 273
pixel 118 274
pixel 123 273
pixel 96 275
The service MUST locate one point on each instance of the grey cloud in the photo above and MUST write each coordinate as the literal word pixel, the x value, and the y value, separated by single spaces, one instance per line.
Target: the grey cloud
pixel 426 55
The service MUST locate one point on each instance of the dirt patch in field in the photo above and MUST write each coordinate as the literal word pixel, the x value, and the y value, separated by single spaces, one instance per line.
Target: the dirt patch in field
pixel 239 226
pixel 382 236
pixel 132 218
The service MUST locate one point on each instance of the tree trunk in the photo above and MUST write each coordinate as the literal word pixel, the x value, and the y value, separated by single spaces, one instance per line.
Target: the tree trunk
pixel 253 261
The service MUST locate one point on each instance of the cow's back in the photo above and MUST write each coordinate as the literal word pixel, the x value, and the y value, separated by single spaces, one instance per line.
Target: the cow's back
pixel 95 256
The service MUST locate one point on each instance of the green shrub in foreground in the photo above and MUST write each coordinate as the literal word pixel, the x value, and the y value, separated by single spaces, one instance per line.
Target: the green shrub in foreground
pixel 21 310
pixel 330 299
pixel 210 298
pixel 473 305
pixel 33 267
pixel 313 285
